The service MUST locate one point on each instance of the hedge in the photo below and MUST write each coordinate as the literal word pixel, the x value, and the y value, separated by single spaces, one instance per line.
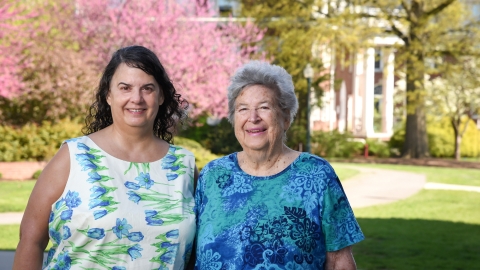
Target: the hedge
pixel 441 139
pixel 40 142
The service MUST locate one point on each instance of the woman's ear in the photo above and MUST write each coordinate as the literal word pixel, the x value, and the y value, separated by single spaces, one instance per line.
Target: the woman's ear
pixel 287 120
pixel 108 97
pixel 161 97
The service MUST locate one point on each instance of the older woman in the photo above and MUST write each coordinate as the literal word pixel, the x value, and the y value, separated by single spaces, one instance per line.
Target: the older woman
pixel 122 196
pixel 268 206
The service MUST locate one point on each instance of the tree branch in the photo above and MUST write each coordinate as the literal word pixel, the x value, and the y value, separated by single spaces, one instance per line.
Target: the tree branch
pixel 439 8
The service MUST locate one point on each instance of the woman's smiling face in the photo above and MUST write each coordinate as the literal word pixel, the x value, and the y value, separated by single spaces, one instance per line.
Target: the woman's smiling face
pixel 134 97
pixel 259 125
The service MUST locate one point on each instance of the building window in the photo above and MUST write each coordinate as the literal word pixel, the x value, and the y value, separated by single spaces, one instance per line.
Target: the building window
pixel 377 112
pixel 378 60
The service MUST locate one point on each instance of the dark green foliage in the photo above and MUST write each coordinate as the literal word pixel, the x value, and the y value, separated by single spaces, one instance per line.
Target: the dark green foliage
pixel 441 139
pixel 36 174
pixel 202 155
pixel 335 144
pixel 36 142
pixel 378 148
pixel 219 139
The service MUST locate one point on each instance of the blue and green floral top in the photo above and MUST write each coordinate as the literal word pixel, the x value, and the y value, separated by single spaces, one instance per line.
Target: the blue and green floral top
pixel 285 221
pixel 115 214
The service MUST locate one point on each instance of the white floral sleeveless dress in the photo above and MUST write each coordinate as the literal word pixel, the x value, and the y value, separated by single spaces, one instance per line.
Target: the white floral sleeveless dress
pixel 115 214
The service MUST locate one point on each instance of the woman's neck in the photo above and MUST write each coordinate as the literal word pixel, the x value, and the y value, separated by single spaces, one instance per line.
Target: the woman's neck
pixel 265 163
pixel 131 146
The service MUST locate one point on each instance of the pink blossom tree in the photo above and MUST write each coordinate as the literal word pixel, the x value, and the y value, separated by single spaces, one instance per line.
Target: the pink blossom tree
pixel 10 52
pixel 199 55
pixel 55 77
pixel 64 45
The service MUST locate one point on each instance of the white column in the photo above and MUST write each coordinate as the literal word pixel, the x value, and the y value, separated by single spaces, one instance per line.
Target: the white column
pixel 357 122
pixel 342 116
pixel 388 86
pixel 350 126
pixel 333 111
pixel 368 99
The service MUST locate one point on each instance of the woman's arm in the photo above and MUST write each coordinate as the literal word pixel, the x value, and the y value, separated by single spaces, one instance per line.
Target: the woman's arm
pixel 34 227
pixel 340 260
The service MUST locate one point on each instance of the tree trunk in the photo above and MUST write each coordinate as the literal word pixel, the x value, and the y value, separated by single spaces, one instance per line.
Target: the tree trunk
pixel 416 139
pixel 458 135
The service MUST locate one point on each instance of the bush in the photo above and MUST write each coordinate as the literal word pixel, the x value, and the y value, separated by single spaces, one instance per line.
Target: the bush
pixel 335 144
pixel 36 174
pixel 219 139
pixel 36 143
pixel 441 139
pixel 1 175
pixel 202 155
pixel 378 148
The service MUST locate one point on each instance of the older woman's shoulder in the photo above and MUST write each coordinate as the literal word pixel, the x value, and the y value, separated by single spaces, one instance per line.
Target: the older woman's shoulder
pixel 227 162
pixel 307 157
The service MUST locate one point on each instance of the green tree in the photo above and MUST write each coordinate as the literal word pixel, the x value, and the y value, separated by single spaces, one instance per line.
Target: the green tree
pixel 298 33
pixel 431 31
pixel 456 95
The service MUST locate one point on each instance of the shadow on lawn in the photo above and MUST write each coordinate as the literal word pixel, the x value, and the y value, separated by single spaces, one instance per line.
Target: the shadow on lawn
pixel 417 244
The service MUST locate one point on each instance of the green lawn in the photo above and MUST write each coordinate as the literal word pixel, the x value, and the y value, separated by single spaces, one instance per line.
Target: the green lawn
pixel 433 229
pixel 9 236
pixel 455 176
pixel 343 172
pixel 14 195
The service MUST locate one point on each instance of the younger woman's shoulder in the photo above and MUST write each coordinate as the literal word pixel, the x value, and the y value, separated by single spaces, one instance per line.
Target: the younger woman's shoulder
pixel 178 149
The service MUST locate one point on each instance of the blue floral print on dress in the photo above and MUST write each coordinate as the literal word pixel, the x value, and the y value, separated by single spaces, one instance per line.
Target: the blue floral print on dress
pixel 172 162
pixel 96 233
pixel 121 228
pixel 90 160
pixel 210 260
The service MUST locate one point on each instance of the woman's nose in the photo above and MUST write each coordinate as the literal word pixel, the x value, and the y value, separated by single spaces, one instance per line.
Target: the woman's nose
pixel 137 96
pixel 253 117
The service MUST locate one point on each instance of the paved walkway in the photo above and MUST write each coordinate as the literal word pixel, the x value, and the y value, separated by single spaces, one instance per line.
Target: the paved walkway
pixel 369 187
pixel 377 186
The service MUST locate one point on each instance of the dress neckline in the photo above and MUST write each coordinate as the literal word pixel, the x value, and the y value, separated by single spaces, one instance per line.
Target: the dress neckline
pixel 119 159
pixel 235 159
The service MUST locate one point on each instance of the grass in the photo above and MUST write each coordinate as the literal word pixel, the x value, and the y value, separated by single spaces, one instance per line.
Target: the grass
pixel 431 230
pixel 344 173
pixel 434 229
pixel 14 195
pixel 9 236
pixel 457 176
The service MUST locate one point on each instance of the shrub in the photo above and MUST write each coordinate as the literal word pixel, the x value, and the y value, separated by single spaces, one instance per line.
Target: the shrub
pixel 219 139
pixel 378 148
pixel 202 155
pixel 36 174
pixel 441 139
pixel 335 144
pixel 36 142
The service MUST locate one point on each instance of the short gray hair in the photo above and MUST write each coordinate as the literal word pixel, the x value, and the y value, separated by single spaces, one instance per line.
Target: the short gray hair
pixel 271 76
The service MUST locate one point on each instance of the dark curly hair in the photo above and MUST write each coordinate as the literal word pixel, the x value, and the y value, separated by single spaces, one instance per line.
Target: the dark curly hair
pixel 171 112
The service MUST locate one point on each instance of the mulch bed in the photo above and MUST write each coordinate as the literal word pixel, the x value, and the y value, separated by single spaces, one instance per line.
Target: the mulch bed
pixel 434 162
